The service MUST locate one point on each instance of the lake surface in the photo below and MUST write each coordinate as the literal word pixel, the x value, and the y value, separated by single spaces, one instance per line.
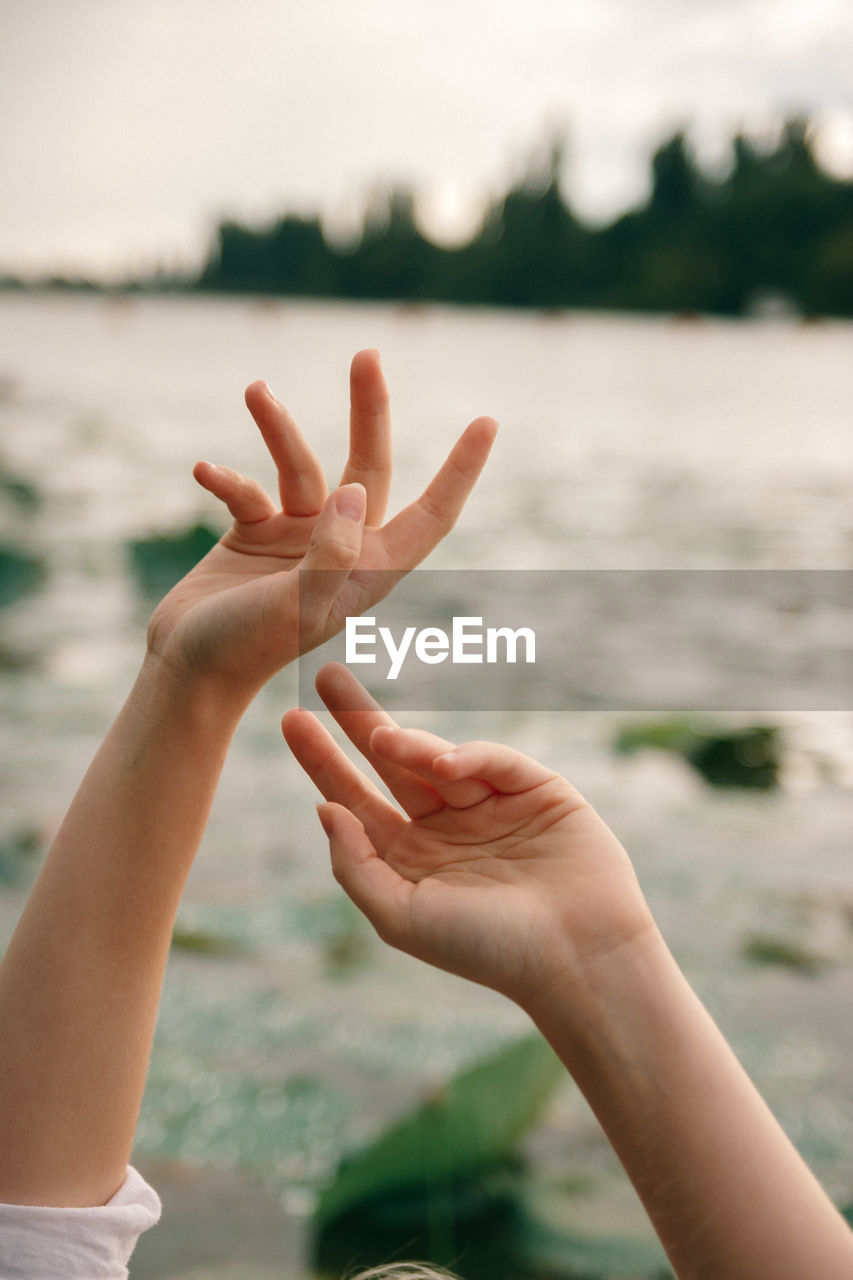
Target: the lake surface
pixel 625 443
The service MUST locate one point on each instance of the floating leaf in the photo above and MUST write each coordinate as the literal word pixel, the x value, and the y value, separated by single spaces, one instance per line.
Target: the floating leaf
pixel 764 949
pixel 19 574
pixel 469 1126
pixel 748 757
pixel 666 735
pixel 745 758
pixel 202 942
pixel 162 560
pixel 22 492
pixel 17 849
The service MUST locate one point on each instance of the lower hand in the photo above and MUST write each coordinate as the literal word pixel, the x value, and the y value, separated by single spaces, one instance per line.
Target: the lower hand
pixel 495 869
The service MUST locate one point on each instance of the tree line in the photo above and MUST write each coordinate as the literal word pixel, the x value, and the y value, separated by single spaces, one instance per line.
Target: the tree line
pixel 776 225
pixel 776 228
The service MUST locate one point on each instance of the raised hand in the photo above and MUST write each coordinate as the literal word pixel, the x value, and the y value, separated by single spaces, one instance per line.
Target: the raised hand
pixel 495 869
pixel 234 616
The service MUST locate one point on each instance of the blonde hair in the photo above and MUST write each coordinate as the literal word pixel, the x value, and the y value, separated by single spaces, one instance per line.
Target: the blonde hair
pixel 404 1271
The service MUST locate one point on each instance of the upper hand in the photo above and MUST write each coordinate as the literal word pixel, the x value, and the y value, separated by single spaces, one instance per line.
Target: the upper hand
pixel 496 868
pixel 234 615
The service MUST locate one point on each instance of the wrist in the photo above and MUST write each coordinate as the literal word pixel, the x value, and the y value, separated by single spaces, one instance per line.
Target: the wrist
pixel 202 663
pixel 590 997
pixel 171 691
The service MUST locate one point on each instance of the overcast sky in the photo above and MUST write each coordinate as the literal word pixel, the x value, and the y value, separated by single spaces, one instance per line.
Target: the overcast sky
pixel 129 126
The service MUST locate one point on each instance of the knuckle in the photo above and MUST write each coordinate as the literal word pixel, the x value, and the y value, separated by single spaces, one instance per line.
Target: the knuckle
pixel 337 874
pixel 362 460
pixel 336 544
pixel 433 510
pixel 339 552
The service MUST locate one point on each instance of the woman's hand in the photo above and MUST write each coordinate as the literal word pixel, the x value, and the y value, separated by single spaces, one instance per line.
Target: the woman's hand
pixel 496 869
pixel 499 871
pixel 234 616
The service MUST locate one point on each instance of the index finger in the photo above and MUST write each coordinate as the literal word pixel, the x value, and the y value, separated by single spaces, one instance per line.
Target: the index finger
pixel 338 778
pixel 359 714
pixel 407 776
pixel 412 534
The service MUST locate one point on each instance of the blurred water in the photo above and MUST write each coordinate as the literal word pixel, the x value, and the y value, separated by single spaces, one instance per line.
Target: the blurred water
pixel 625 443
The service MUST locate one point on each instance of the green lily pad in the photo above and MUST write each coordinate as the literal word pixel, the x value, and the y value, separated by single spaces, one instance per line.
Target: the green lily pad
pixel 162 560
pixel 768 950
pixel 23 493
pixel 470 1126
pixel 202 942
pixel 17 851
pixel 748 757
pixel 19 574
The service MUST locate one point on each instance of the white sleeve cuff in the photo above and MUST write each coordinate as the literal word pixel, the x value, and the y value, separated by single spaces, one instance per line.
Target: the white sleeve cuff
pixel 39 1243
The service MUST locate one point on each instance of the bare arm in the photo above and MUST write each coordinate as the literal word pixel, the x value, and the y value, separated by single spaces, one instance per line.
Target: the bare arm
pixel 80 982
pixel 726 1191
pixel 499 871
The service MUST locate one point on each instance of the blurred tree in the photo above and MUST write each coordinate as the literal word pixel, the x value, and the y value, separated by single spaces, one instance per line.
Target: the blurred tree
pixel 289 257
pixel 393 259
pixel 775 224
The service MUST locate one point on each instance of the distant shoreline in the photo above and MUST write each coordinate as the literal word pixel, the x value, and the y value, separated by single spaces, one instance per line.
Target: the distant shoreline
pixel 769 307
pixel 773 235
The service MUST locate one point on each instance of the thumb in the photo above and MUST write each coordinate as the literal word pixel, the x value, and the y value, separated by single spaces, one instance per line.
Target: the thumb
pixel 332 554
pixel 374 887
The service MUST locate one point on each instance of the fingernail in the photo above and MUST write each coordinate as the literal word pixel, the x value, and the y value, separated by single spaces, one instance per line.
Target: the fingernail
pixel 380 728
pixel 269 392
pixel 325 820
pixel 350 500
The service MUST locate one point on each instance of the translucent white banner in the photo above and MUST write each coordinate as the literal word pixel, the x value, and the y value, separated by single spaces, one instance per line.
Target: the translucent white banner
pixel 609 639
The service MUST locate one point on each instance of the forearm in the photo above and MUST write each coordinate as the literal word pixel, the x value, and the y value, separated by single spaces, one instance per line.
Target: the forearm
pixel 80 982
pixel 728 1195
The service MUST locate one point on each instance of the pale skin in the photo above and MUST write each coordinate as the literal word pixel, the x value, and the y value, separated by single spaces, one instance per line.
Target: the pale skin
pixel 494 867
pixel 81 979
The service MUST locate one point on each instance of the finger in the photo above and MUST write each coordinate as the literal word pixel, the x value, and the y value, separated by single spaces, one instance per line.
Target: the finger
pixel 375 887
pixel 359 714
pixel 412 534
pixel 301 483
pixel 338 779
pixel 332 554
pixel 506 770
pixel 244 498
pixel 417 751
pixel 369 459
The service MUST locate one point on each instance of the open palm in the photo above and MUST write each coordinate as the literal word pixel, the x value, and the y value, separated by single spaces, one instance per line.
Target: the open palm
pixel 235 613
pixel 494 866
